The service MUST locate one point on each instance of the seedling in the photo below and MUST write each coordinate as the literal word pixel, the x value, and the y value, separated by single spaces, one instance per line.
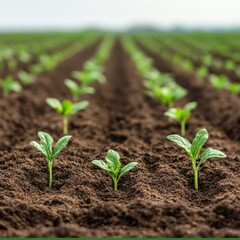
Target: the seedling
pixel 45 146
pixel 219 82
pixel 92 65
pixel 87 77
pixel 66 109
pixel 113 166
pixel 181 114
pixel 144 65
pixel 194 149
pixel 234 88
pixel 157 79
pixel 168 95
pixel 78 90
pixel 187 65
pixel 26 78
pixel 9 85
pixel 230 65
pixel 36 69
pixel 207 60
pixel 202 72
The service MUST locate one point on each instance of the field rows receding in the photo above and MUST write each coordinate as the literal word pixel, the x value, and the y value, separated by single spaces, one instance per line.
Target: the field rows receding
pixel 199 62
pixel 156 199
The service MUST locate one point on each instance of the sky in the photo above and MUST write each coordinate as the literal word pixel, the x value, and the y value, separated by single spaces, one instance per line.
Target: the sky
pixel 117 14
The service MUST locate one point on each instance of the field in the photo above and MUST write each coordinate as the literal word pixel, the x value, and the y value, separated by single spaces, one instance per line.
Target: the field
pixel 156 198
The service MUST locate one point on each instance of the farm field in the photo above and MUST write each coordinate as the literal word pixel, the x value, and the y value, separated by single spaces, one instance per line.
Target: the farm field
pixel 135 79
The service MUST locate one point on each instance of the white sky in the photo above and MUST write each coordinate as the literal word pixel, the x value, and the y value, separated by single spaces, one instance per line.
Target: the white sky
pixel 117 14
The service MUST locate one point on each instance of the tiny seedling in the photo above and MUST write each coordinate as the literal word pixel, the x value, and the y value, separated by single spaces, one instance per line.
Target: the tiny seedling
pixel 219 82
pixel 144 65
pixel 46 147
pixel 9 85
pixel 181 114
pixel 168 95
pixel 194 149
pixel 157 79
pixel 87 77
pixel 26 78
pixel 113 166
pixel 202 72
pixel 234 88
pixel 78 90
pixel 66 109
pixel 230 65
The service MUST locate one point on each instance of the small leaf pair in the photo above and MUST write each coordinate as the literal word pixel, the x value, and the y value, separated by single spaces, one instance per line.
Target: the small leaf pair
pixel 46 147
pixel 87 77
pixel 78 90
pixel 9 85
pixel 168 95
pixel 113 166
pixel 66 109
pixel 26 78
pixel 194 150
pixel 181 114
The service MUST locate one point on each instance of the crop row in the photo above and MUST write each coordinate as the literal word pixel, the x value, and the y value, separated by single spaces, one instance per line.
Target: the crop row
pixel 203 69
pixel 162 87
pixel 44 62
pixel 82 84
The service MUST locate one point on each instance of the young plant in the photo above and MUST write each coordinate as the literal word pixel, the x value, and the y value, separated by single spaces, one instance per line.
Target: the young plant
pixel 9 85
pixel 219 82
pixel 194 149
pixel 78 90
pixel 87 77
pixel 66 109
pixel 26 78
pixel 168 95
pixel 181 114
pixel 202 72
pixel 113 166
pixel 46 147
pixel 234 88
pixel 157 79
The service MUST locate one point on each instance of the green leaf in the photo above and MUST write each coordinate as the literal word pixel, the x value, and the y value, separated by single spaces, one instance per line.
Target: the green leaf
pixel 190 106
pixel 127 168
pixel 38 147
pixel 113 161
pixel 62 143
pixel 210 153
pixel 67 106
pixel 71 84
pixel 180 141
pixel 55 104
pixel 79 106
pixel 46 142
pixel 172 113
pixel 16 87
pixel 198 142
pixel 101 164
pixel 87 90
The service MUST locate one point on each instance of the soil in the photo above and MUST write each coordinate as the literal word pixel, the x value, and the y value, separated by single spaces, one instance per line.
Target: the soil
pixel 156 199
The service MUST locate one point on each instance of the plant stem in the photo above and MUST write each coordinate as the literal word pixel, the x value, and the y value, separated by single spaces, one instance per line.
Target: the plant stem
pixel 75 98
pixel 50 174
pixel 115 183
pixel 170 105
pixel 183 131
pixel 65 125
pixel 5 93
pixel 195 178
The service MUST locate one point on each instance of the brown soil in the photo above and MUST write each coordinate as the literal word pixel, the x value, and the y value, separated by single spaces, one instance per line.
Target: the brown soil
pixel 156 199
